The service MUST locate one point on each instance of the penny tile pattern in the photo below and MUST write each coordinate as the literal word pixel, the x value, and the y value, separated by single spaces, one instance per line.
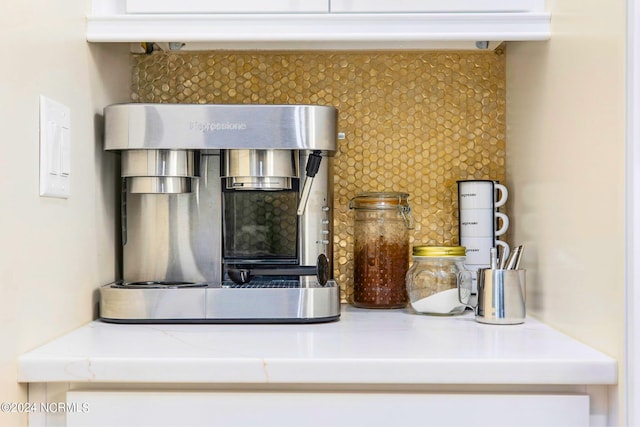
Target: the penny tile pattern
pixel 414 122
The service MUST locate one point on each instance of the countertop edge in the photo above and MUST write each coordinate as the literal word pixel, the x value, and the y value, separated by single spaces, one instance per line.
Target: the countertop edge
pixel 417 350
pixel 496 372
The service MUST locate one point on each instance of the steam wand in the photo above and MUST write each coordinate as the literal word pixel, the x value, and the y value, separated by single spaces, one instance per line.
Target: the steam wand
pixel 313 164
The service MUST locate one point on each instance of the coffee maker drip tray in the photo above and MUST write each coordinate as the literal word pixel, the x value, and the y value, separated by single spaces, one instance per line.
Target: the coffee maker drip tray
pixel 156 284
pixel 277 300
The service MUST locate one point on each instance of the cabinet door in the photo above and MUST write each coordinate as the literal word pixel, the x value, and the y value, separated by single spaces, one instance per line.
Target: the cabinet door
pixel 440 6
pixel 226 6
pixel 309 409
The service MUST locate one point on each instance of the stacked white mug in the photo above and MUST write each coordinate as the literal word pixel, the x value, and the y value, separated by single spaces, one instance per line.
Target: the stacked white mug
pixel 478 215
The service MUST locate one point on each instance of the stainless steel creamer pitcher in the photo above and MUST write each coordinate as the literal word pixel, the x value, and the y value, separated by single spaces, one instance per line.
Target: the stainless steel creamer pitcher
pixel 501 296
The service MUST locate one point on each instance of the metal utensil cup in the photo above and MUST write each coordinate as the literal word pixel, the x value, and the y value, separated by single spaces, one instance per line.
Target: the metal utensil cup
pixel 501 296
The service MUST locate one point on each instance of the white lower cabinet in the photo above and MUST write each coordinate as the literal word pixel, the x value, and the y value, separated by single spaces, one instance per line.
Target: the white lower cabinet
pixel 115 408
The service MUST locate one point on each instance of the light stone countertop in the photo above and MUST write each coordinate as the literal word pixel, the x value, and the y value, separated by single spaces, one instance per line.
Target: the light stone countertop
pixel 363 347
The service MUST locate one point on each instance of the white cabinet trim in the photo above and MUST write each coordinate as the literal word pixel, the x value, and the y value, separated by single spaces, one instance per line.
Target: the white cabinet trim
pixel 322 31
pixel 631 393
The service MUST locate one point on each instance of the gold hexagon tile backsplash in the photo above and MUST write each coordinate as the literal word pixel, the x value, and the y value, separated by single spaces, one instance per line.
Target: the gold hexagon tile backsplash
pixel 414 121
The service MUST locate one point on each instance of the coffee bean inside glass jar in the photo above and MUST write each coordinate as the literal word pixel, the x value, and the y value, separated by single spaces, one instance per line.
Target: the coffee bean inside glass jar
pixel 381 250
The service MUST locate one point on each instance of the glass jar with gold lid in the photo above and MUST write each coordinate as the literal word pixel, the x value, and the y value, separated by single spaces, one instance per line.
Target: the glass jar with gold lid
pixel 434 278
pixel 381 249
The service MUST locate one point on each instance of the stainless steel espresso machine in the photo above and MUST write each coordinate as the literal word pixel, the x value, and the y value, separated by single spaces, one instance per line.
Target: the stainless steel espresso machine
pixel 226 214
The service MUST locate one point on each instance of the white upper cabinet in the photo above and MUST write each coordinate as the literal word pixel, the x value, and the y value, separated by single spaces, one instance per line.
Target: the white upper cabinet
pixel 334 6
pixel 436 6
pixel 226 6
pixel 319 24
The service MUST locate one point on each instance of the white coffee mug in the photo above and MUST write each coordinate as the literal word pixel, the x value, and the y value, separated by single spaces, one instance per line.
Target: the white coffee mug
pixel 478 250
pixel 481 194
pixel 482 223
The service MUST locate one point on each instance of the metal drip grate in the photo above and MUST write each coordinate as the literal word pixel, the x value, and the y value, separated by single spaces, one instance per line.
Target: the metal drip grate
pixel 263 284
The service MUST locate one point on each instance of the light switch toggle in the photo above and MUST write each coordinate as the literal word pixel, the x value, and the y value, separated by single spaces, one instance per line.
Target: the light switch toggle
pixel 55 149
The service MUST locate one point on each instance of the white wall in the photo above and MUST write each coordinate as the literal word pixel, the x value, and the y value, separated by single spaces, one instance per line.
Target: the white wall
pixel 565 160
pixel 54 253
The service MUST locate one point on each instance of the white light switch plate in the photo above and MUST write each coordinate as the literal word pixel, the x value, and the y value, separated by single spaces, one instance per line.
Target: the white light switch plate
pixel 55 149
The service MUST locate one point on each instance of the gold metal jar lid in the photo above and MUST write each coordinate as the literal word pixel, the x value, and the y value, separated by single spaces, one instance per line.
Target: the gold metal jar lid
pixel 379 200
pixel 439 251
